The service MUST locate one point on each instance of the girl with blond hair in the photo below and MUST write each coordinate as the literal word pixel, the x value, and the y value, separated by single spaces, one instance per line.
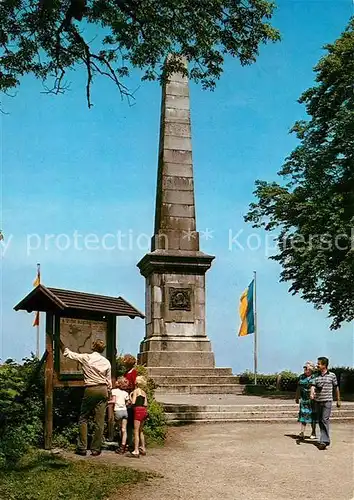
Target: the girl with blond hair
pixel 138 399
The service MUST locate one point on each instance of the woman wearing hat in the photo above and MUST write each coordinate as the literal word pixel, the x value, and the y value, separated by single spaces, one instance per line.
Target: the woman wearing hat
pixel 306 410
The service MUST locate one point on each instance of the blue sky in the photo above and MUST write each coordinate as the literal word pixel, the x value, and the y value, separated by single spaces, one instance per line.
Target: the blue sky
pixel 66 168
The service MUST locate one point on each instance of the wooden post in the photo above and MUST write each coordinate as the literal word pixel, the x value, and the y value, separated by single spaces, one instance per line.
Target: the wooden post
pixel 37 338
pixel 111 344
pixel 114 348
pixel 111 356
pixel 48 384
pixel 38 281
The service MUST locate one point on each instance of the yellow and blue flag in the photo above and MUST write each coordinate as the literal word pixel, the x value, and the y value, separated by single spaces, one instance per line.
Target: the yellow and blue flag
pixel 247 311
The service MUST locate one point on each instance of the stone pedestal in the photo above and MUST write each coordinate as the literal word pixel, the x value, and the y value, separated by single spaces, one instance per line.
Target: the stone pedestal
pixel 175 310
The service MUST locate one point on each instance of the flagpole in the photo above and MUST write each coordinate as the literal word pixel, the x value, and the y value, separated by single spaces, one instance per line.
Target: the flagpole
pixel 38 333
pixel 255 325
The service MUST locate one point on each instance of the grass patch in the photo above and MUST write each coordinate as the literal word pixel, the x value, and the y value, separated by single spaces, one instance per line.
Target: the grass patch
pixel 42 476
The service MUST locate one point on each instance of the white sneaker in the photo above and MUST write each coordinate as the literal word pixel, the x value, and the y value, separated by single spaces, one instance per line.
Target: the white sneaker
pixel 313 436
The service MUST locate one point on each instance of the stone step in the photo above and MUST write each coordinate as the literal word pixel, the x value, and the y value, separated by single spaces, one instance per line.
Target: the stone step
pixel 226 408
pixel 188 372
pixel 183 408
pixel 195 380
pixel 273 420
pixel 226 416
pixel 201 389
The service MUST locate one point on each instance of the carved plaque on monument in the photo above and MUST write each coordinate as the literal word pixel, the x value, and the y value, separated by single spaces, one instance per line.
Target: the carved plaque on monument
pixel 78 335
pixel 180 299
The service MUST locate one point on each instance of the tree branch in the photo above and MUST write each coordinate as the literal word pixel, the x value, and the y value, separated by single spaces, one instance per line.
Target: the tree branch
pixel 87 59
pixel 57 88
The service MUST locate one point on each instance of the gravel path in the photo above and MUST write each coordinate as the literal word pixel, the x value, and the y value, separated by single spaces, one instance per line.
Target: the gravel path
pixel 246 462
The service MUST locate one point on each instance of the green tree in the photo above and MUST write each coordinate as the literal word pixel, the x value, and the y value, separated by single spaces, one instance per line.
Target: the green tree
pixel 313 209
pixel 46 38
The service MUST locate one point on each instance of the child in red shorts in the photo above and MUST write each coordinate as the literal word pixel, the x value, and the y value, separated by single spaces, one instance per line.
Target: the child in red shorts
pixel 138 399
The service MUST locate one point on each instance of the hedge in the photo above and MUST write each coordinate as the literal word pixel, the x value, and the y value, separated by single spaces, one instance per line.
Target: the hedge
pixel 287 381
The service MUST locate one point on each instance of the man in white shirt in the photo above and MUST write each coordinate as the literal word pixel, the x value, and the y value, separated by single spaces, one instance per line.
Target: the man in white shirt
pixel 98 386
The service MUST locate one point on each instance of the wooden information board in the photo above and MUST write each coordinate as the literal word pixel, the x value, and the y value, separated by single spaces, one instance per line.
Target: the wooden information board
pixel 78 335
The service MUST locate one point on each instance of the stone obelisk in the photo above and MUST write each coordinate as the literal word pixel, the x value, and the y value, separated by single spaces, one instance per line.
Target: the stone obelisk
pixel 175 268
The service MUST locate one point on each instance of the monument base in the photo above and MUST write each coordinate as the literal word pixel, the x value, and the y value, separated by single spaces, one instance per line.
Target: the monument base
pixel 175 352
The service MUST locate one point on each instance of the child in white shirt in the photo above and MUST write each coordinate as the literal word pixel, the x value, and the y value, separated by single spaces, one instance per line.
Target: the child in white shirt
pixel 121 398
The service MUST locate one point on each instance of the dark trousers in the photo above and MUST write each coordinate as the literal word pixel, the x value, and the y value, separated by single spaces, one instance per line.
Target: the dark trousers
pixel 94 401
pixel 323 411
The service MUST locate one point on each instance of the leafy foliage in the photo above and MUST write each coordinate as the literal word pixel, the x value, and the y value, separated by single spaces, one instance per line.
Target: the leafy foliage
pixel 269 381
pixel 345 377
pixel 314 211
pixel 155 428
pixel 21 422
pixel 109 37
pixel 288 380
pixel 66 411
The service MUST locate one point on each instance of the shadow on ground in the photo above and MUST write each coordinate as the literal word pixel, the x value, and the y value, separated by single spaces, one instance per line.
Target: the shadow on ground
pixel 301 441
pixel 182 423
pixel 283 396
